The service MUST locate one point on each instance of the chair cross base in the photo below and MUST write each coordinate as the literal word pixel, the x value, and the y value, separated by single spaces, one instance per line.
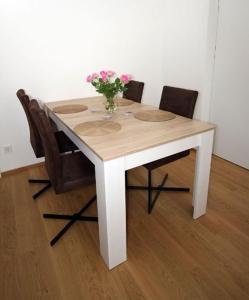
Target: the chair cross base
pixel 47 186
pixel 72 219
pixel 160 188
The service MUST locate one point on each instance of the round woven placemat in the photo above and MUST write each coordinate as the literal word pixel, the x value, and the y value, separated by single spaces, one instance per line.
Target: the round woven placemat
pixel 154 115
pixel 97 128
pixel 123 102
pixel 69 108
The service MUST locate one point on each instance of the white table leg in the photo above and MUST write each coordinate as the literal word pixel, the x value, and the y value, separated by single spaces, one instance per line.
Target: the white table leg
pixel 202 172
pixel 110 184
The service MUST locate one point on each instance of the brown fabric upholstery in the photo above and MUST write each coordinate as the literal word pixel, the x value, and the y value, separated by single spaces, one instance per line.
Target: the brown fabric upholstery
pixel 64 143
pixel 35 139
pixel 166 160
pixel 77 170
pixel 65 171
pixel 181 102
pixel 134 90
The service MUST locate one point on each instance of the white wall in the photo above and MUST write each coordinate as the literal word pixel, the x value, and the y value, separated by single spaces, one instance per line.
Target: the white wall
pixel 185 47
pixel 48 48
pixel 230 102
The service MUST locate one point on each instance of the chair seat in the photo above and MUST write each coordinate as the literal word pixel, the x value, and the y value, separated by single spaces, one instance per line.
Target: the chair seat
pixel 163 161
pixel 77 170
pixel 64 143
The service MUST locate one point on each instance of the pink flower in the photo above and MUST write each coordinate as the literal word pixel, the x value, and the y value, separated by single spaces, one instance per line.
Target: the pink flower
pixel 95 75
pixel 110 73
pixel 89 78
pixel 104 75
pixel 125 78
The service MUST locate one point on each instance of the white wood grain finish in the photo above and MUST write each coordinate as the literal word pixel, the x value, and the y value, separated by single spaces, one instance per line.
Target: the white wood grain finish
pixel 202 172
pixel 135 135
pixel 137 143
pixel 110 178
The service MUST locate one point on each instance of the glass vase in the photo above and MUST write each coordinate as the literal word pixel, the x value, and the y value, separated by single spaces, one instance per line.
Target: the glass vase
pixel 110 105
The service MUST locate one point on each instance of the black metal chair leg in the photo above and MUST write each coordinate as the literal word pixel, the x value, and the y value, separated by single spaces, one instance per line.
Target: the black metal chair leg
pixel 48 185
pixel 160 188
pixel 157 188
pixel 69 217
pixel 87 205
pixel 137 187
pixel 67 226
pixel 174 189
pixel 73 218
pixel 57 217
pixel 149 192
pixel 158 192
pixel 42 191
pixel 39 181
pixel 62 232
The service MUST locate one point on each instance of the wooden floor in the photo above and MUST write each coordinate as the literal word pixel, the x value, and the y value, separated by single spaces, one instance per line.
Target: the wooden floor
pixel 170 256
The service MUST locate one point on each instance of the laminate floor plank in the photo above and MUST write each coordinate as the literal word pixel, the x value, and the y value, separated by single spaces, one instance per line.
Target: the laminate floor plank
pixel 170 255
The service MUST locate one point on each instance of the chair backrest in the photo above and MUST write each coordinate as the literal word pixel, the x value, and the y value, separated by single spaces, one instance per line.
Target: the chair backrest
pixel 35 138
pixel 179 101
pixel 51 150
pixel 134 91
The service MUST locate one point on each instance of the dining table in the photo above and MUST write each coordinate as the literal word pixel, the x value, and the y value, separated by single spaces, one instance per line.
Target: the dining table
pixel 120 141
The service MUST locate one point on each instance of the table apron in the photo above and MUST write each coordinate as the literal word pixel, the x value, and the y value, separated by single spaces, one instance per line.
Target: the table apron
pixel 151 154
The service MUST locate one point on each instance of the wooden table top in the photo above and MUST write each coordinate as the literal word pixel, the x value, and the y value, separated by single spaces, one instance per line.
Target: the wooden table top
pixel 135 135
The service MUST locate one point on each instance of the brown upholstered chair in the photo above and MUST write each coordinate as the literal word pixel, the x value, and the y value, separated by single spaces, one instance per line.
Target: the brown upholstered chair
pixel 65 172
pixel 181 102
pixel 64 143
pixel 134 91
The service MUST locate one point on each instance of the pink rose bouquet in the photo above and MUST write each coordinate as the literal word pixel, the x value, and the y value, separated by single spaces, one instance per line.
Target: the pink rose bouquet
pixel 106 83
pixel 109 85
